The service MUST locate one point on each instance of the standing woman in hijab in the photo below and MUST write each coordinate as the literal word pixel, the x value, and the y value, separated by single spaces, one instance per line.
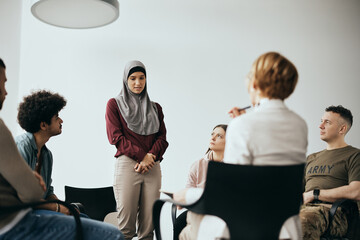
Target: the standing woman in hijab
pixel 135 125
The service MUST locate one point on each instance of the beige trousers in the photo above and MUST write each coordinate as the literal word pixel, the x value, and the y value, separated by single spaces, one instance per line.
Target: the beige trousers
pixel 190 232
pixel 135 194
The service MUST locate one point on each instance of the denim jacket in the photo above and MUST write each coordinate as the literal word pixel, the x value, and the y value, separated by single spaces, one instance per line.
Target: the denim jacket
pixel 27 147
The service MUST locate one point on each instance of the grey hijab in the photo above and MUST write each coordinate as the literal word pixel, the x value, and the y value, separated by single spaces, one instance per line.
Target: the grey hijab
pixel 139 112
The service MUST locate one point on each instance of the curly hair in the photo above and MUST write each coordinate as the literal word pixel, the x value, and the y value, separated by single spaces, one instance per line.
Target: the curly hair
pixel 275 75
pixel 344 113
pixel 40 106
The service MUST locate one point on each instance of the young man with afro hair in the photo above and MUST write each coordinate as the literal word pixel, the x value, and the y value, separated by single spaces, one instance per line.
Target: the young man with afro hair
pixel 19 185
pixel 39 116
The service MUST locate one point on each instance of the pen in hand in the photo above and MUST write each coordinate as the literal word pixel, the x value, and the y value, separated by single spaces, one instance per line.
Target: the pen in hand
pixel 235 111
pixel 241 109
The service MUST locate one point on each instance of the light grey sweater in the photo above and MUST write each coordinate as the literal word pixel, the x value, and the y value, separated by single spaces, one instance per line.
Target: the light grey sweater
pixel 17 181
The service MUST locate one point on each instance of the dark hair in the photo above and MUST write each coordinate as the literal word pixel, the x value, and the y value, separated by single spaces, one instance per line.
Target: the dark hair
pixel 137 69
pixel 2 64
pixel 344 113
pixel 39 107
pixel 223 126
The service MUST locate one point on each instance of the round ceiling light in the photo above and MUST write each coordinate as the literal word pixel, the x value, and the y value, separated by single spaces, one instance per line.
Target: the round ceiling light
pixel 76 13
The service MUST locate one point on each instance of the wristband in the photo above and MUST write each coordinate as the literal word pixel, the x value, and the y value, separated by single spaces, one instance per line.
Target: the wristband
pixel 316 194
pixel 57 207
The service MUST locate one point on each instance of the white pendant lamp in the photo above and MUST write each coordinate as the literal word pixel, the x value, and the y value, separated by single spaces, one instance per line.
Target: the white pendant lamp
pixel 76 13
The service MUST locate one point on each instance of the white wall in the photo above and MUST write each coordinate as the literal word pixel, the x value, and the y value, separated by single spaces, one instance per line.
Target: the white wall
pixel 10 35
pixel 197 54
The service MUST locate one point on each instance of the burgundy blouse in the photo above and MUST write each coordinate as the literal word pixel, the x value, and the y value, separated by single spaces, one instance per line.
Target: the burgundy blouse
pixel 131 144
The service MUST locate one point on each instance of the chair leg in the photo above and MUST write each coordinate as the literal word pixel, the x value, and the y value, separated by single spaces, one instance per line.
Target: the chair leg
pixel 179 224
pixel 156 217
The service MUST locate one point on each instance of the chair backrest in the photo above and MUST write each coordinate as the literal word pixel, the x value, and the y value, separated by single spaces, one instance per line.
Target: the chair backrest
pixel 98 202
pixel 254 201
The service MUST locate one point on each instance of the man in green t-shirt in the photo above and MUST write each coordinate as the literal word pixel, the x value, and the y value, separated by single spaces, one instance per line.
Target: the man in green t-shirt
pixel 330 175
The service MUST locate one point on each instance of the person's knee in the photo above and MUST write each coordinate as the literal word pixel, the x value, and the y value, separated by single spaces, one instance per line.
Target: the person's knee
pixel 100 230
pixel 313 223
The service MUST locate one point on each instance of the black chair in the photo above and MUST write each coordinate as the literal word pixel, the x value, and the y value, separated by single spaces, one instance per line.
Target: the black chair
pixel 352 211
pixel 254 201
pixel 79 232
pixel 97 202
pixel 179 223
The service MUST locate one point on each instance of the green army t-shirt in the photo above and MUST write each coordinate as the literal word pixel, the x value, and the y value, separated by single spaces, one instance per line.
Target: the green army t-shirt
pixel 332 168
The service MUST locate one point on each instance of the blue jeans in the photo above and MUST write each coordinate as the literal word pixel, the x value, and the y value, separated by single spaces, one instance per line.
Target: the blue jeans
pixel 48 212
pixel 47 226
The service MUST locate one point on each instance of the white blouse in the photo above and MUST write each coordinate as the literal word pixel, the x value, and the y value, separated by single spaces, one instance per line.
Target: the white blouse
pixel 270 135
